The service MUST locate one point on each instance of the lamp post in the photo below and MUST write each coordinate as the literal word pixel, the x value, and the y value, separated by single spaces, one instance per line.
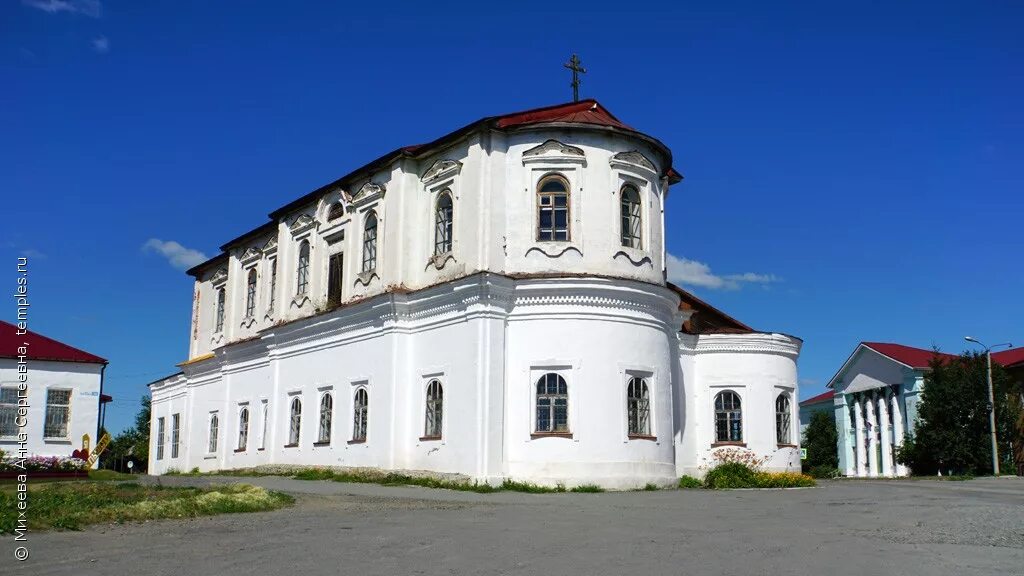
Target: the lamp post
pixel 991 400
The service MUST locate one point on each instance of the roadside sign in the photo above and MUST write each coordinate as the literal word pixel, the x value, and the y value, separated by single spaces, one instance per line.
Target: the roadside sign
pixel 803 453
pixel 100 447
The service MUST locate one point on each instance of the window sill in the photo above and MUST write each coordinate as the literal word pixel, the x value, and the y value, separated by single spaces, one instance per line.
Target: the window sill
pixel 210 457
pixel 57 440
pixel 291 445
pixel 643 437
pixel 325 443
pixel 429 438
pixel 787 445
pixel 719 444
pixel 260 449
pixel 362 441
pixel 551 435
pixel 239 450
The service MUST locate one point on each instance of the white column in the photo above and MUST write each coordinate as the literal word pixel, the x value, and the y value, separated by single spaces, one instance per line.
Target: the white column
pixel 897 429
pixel 883 429
pixel 869 408
pixel 858 413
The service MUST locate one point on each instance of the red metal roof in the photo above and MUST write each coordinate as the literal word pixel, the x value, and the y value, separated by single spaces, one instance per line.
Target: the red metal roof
pixel 1010 357
pixel 40 347
pixel 827 395
pixel 917 358
pixel 583 112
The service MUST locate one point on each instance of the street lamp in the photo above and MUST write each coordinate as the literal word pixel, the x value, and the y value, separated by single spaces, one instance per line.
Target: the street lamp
pixel 991 400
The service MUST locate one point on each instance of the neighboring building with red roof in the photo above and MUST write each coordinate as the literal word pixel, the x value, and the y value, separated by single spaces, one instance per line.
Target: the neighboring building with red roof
pixel 50 391
pixel 513 272
pixel 819 403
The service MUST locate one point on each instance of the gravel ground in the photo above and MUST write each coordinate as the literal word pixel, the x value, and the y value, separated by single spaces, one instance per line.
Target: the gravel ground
pixel 840 528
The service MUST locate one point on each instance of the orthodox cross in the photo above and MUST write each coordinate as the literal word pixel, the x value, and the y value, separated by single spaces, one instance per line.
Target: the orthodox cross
pixel 574 65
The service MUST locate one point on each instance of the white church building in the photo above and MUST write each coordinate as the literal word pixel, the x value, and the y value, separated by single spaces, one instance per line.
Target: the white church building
pixel 492 304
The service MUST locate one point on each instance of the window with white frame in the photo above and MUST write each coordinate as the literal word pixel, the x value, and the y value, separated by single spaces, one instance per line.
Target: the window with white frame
pixel 243 428
pixel 263 428
pixel 553 209
pixel 782 420
pixel 221 297
pixel 360 415
pixel 160 438
pixel 302 272
pixel 630 221
pixel 250 294
pixel 294 421
pixel 175 434
pixel 214 433
pixel 552 404
pixel 370 242
pixel 443 220
pixel 638 407
pixel 58 413
pixel 435 409
pixel 8 411
pixel 728 417
pixel 326 415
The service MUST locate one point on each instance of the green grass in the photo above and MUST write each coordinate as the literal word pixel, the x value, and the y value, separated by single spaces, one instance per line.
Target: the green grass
pixel 72 505
pixel 587 489
pixel 109 475
pixel 686 482
pixel 650 487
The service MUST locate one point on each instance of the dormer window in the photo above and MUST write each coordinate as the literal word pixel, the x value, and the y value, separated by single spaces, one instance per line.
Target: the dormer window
pixel 553 209
pixel 336 211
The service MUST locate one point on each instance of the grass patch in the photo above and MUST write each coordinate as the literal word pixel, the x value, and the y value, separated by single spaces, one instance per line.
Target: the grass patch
pixel 587 489
pixel 650 487
pixel 107 475
pixel 70 506
pixel 396 479
pixel 687 482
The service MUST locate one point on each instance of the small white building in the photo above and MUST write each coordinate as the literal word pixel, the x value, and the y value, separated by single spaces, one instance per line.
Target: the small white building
pixel 493 304
pixel 51 394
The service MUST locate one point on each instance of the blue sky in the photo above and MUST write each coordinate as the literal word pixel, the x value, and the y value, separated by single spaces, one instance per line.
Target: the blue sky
pixel 852 172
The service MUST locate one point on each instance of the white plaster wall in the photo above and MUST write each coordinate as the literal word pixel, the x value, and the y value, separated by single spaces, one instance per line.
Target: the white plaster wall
pixel 84 382
pixel 758 367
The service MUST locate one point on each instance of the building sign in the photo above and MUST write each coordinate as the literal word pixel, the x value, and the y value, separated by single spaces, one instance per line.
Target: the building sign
pixel 803 453
pixel 100 447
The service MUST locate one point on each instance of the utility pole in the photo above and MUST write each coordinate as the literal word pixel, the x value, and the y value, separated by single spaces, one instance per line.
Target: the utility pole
pixel 991 401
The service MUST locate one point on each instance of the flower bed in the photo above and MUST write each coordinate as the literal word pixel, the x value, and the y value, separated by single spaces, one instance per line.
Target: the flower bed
pixel 42 466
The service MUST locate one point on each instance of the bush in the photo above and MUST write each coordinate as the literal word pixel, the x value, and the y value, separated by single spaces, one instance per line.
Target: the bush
pixel 690 482
pixel 823 471
pixel 730 475
pixel 736 475
pixel 588 488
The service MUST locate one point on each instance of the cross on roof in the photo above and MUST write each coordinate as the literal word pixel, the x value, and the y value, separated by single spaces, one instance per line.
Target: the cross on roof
pixel 574 64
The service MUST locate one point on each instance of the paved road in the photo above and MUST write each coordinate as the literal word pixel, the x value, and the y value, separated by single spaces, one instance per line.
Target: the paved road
pixel 860 528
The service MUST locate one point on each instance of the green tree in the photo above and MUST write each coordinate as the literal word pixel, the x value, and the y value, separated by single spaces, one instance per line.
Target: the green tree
pixel 821 440
pixel 132 443
pixel 952 428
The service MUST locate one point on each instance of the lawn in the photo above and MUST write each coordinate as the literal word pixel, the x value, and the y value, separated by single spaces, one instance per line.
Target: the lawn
pixel 72 505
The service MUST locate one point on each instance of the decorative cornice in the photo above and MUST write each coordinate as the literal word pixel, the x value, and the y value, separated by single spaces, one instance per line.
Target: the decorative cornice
pixel 368 192
pixel 302 223
pixel 253 253
pixel 219 277
pixel 271 245
pixel 439 260
pixel 441 169
pixel 644 258
pixel 556 250
pixel 634 158
pixel 757 342
pixel 365 278
pixel 554 152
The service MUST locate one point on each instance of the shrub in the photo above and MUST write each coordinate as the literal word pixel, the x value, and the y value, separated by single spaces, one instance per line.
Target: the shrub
pixel 588 488
pixel 783 480
pixel 649 487
pixel 730 475
pixel 689 482
pixel 823 471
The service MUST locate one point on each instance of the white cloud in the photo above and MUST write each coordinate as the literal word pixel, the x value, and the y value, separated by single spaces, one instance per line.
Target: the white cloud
pixel 180 257
pixel 101 45
pixel 693 273
pixel 87 7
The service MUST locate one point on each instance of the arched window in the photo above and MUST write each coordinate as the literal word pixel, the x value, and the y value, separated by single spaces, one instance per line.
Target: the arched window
pixel 370 242
pixel 220 310
pixel 326 414
pixel 553 209
pixel 638 407
pixel 263 428
pixel 443 223
pixel 214 432
pixel 435 405
pixel 273 284
pixel 728 417
pixel 782 419
pixel 360 411
pixel 302 274
pixel 295 422
pixel 243 428
pixel 552 404
pixel 337 210
pixel 250 294
pixel 630 216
